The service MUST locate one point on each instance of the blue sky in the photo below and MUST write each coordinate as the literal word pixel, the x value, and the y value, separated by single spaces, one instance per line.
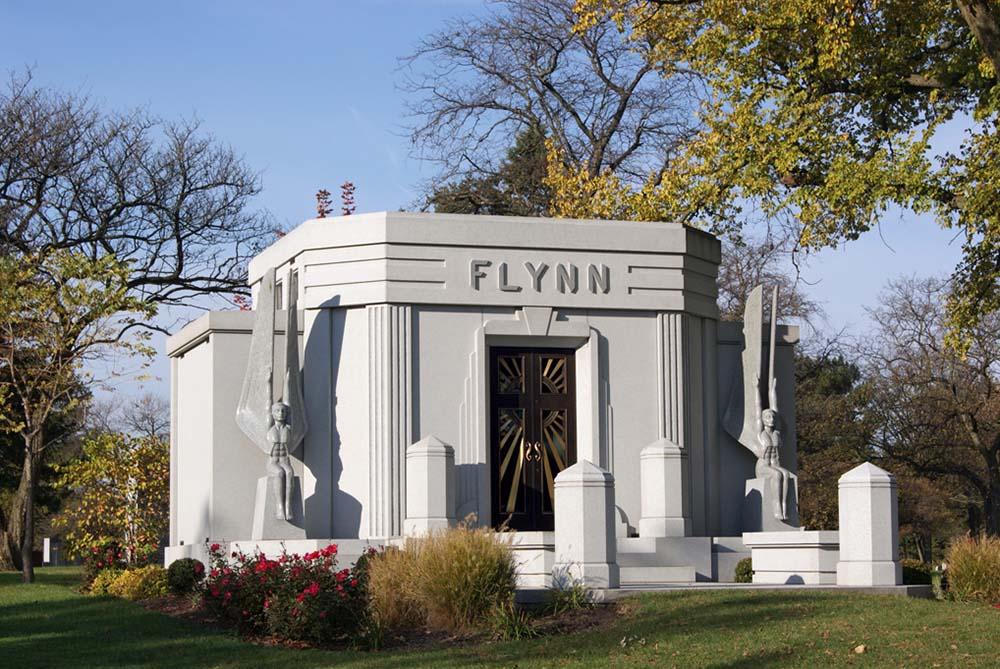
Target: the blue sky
pixel 307 92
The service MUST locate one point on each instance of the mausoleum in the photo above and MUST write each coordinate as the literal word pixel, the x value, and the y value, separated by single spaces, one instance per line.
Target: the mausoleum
pixel 451 367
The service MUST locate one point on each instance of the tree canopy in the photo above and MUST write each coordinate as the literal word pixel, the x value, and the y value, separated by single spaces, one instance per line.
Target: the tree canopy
pixel 821 114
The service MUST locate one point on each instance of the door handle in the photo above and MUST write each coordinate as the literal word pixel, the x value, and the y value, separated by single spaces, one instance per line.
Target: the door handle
pixel 533 452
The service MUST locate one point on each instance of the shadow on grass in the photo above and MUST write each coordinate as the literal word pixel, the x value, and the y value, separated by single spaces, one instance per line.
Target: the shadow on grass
pixel 54 626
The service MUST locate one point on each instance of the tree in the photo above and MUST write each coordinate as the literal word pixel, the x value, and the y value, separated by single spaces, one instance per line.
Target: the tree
pixel 120 492
pixel 347 206
pixel 62 429
pixel 160 206
pixel 162 198
pixel 753 261
pixel 517 188
pixel 821 115
pixel 58 311
pixel 324 204
pixel 938 412
pixel 832 431
pixel 478 82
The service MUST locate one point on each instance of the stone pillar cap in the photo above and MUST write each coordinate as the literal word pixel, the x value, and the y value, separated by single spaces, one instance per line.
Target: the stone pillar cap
pixel 866 472
pixel 584 471
pixel 429 444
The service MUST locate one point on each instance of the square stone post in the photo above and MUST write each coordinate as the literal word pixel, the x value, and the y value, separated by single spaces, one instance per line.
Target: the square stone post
pixel 430 486
pixel 585 526
pixel 869 528
pixel 665 510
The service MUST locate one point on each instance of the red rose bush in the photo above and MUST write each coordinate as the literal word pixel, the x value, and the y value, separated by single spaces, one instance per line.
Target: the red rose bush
pixel 296 597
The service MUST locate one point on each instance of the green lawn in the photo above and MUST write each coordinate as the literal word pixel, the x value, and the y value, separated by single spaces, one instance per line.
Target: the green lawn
pixel 50 625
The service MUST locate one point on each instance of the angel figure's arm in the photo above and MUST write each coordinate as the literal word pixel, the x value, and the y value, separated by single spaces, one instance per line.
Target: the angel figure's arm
pixel 758 409
pixel 772 395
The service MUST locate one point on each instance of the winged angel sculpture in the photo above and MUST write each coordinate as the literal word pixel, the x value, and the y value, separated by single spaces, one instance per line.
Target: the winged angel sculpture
pixel 276 427
pixel 757 427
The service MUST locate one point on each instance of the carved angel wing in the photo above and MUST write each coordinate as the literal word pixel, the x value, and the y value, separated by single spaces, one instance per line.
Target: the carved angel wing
pixel 253 413
pixel 293 395
pixel 739 419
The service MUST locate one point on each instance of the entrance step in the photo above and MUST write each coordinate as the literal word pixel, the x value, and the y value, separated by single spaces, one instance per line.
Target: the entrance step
pixel 636 575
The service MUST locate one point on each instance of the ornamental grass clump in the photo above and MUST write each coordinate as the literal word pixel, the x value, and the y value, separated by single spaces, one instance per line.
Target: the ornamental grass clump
pixel 974 569
pixel 451 580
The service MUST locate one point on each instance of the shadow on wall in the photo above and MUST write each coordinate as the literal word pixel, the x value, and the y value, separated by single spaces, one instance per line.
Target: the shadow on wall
pixel 321 354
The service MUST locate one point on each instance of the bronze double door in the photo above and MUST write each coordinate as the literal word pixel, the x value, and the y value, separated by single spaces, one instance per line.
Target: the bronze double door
pixel 532 432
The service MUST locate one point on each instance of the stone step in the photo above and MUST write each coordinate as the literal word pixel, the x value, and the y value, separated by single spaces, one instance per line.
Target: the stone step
pixel 656 574
pixel 649 560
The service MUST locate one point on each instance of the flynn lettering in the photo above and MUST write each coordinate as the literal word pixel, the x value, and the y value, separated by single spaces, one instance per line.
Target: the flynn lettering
pixel 540 277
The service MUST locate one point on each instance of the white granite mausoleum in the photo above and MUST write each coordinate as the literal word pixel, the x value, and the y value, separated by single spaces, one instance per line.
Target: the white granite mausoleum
pixel 498 351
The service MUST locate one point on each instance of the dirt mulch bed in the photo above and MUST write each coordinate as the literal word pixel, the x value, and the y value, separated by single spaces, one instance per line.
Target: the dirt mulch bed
pixel 568 622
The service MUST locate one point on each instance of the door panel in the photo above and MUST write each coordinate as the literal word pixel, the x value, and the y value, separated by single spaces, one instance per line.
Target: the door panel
pixel 532 432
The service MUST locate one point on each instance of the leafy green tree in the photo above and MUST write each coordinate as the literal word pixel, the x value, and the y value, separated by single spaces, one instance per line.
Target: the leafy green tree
pixel 120 492
pixel 58 311
pixel 517 188
pixel 821 114
pixel 161 208
pixel 832 431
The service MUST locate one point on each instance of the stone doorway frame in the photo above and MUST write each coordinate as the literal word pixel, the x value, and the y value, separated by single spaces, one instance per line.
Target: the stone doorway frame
pixel 531 327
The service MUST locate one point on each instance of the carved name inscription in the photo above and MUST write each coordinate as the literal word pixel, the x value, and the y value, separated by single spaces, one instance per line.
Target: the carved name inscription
pixel 563 277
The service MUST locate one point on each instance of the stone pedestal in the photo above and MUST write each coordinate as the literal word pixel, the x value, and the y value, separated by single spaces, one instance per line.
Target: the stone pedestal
pixel 265 525
pixel 664 488
pixel 793 558
pixel 758 507
pixel 430 486
pixel 585 526
pixel 869 528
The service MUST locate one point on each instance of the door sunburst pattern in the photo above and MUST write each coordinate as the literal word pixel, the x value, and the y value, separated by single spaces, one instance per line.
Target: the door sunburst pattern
pixel 554 450
pixel 510 373
pixel 512 457
pixel 553 376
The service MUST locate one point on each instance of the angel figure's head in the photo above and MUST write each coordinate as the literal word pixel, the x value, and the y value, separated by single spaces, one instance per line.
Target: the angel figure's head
pixel 279 412
pixel 769 417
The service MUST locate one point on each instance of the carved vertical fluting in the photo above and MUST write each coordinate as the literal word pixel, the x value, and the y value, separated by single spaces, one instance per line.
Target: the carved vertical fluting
pixel 665 480
pixel 673 375
pixel 390 415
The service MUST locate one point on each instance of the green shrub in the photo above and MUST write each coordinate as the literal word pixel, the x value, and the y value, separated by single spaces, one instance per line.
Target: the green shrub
pixel 974 569
pixel 916 572
pixel 103 580
pixel 140 583
pixel 184 575
pixel 744 571
pixel 102 556
pixel 451 580
pixel 297 597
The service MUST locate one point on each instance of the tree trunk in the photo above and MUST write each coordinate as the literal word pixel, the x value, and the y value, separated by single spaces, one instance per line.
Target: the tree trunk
pixel 13 535
pixel 32 452
pixel 978 15
pixel 991 511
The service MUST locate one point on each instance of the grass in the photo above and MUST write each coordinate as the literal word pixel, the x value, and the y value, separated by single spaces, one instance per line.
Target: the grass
pixel 49 624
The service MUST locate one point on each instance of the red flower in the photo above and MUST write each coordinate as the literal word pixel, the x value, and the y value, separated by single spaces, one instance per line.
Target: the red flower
pixel 354 582
pixel 313 589
pixel 214 548
pixel 199 568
